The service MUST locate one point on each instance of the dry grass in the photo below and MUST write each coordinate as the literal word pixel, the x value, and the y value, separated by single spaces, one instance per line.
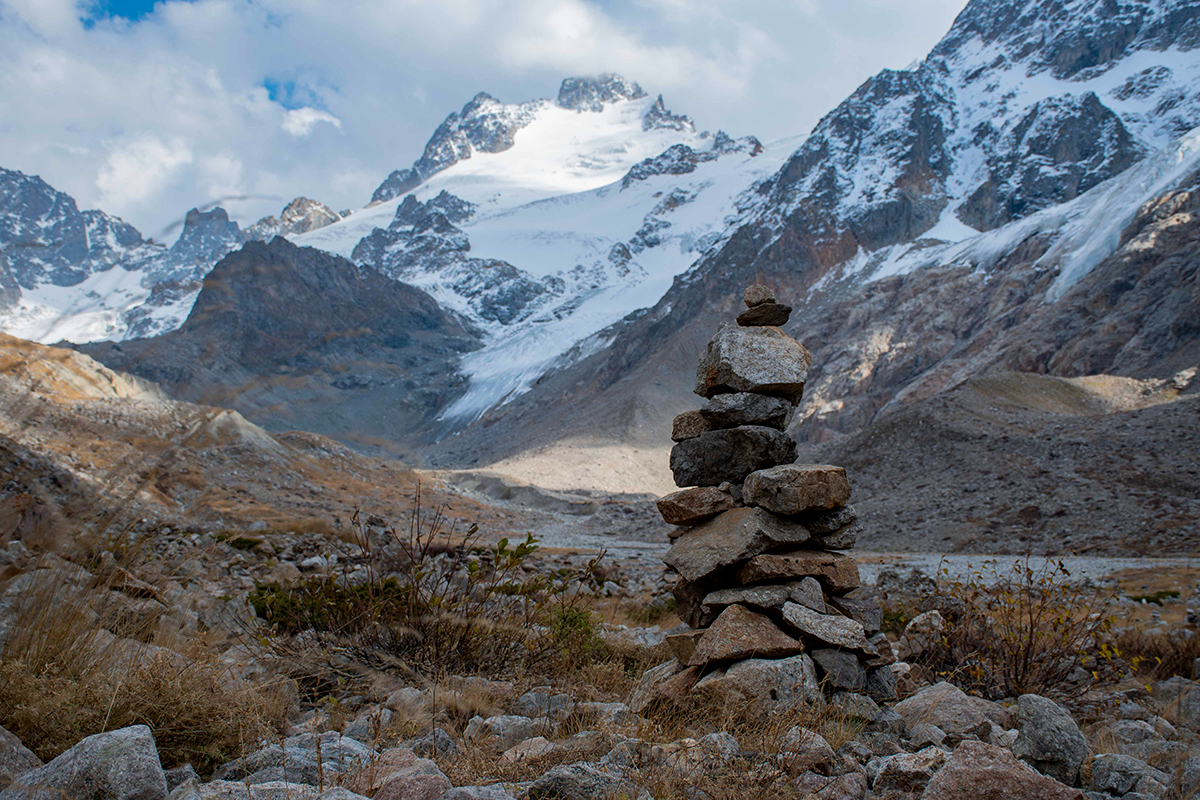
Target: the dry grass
pixel 64 677
pixel 1158 657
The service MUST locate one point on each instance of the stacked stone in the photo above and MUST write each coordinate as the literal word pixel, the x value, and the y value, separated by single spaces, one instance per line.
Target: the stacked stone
pixel 762 579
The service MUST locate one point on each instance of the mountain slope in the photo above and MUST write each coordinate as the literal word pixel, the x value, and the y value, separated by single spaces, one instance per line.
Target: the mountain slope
pixel 296 338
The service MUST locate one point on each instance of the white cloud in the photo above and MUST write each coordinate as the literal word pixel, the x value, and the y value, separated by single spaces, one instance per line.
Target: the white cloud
pixel 300 121
pixel 137 169
pixel 151 118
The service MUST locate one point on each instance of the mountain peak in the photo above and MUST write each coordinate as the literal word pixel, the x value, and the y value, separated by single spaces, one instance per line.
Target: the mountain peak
pixel 591 93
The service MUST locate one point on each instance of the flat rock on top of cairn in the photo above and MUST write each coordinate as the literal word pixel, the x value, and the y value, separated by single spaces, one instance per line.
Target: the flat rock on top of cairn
pixel 764 360
pixel 796 488
pixel 730 538
pixel 756 294
pixel 729 455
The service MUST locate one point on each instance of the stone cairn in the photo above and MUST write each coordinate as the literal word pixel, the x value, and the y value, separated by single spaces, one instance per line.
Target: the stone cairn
pixel 762 580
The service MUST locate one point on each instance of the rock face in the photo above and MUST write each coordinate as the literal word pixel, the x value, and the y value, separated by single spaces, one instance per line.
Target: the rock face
pixel 754 582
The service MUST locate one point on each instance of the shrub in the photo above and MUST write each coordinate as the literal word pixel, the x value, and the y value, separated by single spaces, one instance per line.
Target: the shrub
pixel 441 603
pixel 1026 628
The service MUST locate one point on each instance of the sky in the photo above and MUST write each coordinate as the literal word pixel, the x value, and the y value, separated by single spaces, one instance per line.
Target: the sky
pixel 145 109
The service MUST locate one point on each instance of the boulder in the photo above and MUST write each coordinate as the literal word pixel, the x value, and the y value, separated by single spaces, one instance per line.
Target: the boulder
pixel 756 294
pixel 544 703
pixel 881 683
pixel 528 750
pixel 836 572
pixel 833 630
pixel 908 772
pixel 694 505
pixel 730 538
pixel 748 408
pixel 667 683
pixel 839 670
pixel 1120 774
pixel 689 425
pixel 581 781
pixel 1049 740
pixel 116 765
pixel 502 731
pixel 1182 697
pixel 841 539
pixel 987 772
pixel 301 759
pixel 804 750
pixel 478 793
pixel 795 488
pixel 946 706
pixel 764 360
pixel 775 685
pixel 419 781
pixel 15 758
pixel 730 454
pixel 740 633
pixel 272 790
pixel 765 314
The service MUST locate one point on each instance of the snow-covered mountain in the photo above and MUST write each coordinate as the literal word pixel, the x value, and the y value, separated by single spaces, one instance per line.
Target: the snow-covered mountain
pixel 545 222
pixel 84 276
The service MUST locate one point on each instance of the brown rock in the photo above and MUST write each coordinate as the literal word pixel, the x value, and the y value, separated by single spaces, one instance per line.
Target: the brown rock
pixel 739 633
pixel 764 360
pixel 765 314
pixel 690 506
pixel 689 425
pixel 835 572
pixel 667 683
pixel 683 645
pixel 987 772
pixel 757 294
pixel 775 684
pixel 740 534
pixel 796 488
pixel 729 455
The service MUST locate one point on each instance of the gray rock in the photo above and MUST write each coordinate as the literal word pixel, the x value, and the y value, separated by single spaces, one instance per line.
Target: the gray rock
pixel 795 488
pixel 730 454
pixel 477 793
pixel 881 683
pixel 179 776
pixel 1120 774
pixel 827 523
pixel 765 314
pixel 762 360
pixel 836 572
pixel 15 758
pixel 1049 740
pixel 274 790
pixel 436 742
pixel 867 612
pixel 855 704
pixel 541 703
pixel 747 408
pixel 839 669
pixel 1183 697
pixel 580 781
pixel 987 772
pixel 301 759
pixel 838 631
pixel 768 598
pixel 807 592
pixel 117 765
pixel 503 731
pixel 887 721
pixel 881 646
pixel 804 750
pixel 922 633
pixel 650 686
pixel 908 772
pixel 728 539
pixel 946 706
pixel 774 685
pixel 923 734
